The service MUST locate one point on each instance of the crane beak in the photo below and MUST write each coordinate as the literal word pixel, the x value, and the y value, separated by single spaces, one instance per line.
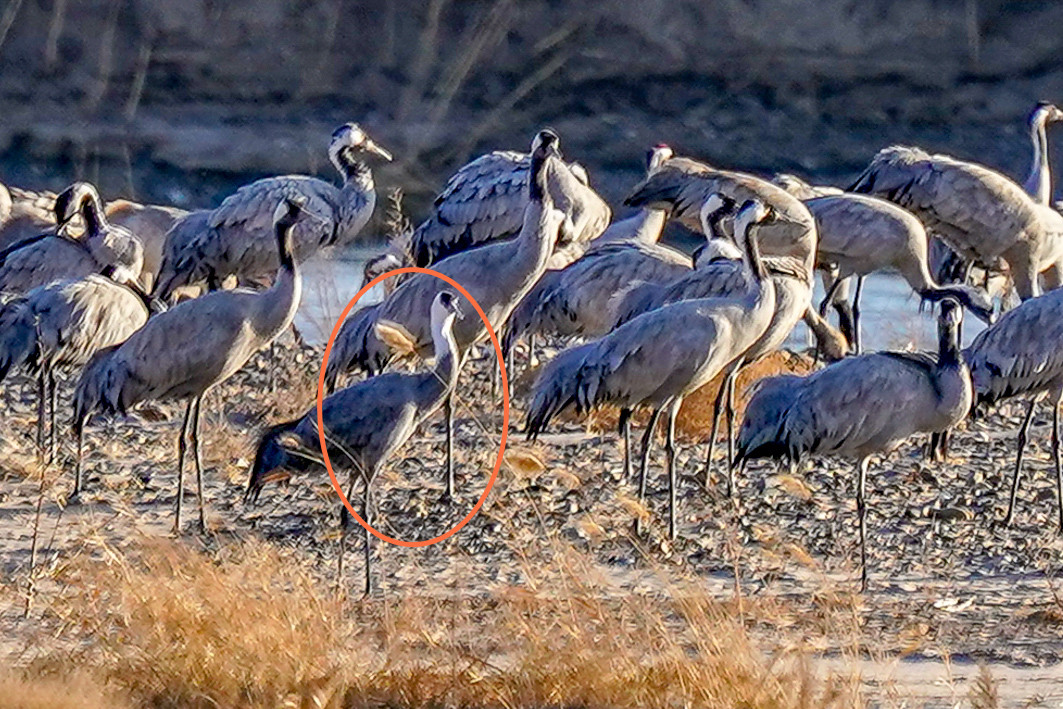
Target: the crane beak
pixel 375 149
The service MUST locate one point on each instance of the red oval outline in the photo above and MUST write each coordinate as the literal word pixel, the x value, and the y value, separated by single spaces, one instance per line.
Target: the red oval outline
pixel 505 408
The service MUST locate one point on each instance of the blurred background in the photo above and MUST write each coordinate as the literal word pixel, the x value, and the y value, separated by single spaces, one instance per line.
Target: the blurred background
pixel 180 102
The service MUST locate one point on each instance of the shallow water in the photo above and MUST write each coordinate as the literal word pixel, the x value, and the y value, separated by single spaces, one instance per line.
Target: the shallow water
pixel 890 311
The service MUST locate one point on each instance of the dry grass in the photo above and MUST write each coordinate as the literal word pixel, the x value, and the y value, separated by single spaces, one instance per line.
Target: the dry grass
pixel 250 626
pixel 19 691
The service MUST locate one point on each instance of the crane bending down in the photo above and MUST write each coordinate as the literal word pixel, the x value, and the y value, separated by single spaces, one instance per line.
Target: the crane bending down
pixel 497 275
pixel 365 424
pixel 658 358
pixel 186 351
pixel 55 256
pixel 860 407
pixel 1022 356
pixel 485 200
pixel 60 326
pixel 980 213
pixel 238 240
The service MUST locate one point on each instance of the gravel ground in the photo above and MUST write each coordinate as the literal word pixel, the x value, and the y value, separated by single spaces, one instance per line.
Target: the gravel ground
pixel 946 578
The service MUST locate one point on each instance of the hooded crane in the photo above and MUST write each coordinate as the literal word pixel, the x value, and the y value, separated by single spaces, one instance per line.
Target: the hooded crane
pixel 578 300
pixel 497 275
pixel 61 325
pixel 980 213
pixel 485 201
pixel 860 407
pixel 186 351
pixel 658 358
pixel 238 241
pixel 54 256
pixel 1022 356
pixel 366 423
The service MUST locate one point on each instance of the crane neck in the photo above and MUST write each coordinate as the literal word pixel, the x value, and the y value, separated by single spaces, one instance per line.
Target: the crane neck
pixel 446 353
pixel 949 354
pixel 1039 183
pixel 92 212
pixel 650 226
pixel 354 170
pixel 280 302
pixel 751 252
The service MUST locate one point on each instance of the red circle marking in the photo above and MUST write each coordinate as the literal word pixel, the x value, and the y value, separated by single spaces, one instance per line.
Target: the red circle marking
pixel 505 407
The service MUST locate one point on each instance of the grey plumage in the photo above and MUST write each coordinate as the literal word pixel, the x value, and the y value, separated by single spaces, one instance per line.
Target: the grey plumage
pixel 485 201
pixel 861 406
pixel 860 235
pixel 238 241
pixel 980 213
pixel 150 223
pixel 497 275
pixel 103 248
pixel 186 351
pixel 576 300
pixel 682 186
pixel 367 423
pixel 24 214
pixel 659 357
pixel 60 326
pixel 1022 356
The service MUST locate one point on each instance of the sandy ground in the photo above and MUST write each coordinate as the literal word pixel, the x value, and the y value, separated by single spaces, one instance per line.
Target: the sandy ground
pixel 950 588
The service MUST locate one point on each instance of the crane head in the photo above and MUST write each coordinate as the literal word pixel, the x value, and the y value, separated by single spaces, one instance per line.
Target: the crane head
pixel 1045 112
pixel 715 208
pixel 288 211
pixel 379 265
pixel 350 139
pixel 69 201
pixel 546 143
pixel 656 156
pixel 446 304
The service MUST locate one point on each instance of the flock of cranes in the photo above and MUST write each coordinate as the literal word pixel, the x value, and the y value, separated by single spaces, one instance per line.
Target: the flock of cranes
pixel 150 303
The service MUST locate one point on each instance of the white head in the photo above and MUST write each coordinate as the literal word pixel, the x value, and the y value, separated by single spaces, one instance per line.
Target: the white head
pixel 714 207
pixel 657 156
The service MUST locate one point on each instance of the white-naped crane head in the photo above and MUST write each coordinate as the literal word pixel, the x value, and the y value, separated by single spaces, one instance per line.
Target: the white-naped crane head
pixel 1044 113
pixel 657 156
pixel 350 142
pixel 715 207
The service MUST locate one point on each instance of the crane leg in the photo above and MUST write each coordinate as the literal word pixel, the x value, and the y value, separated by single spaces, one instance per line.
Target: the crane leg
pixel 531 350
pixel 647 440
pixel 717 411
pixel 861 510
pixel 829 297
pixel 625 432
pixel 448 414
pixel 1023 433
pixel 345 521
pixel 51 416
pixel 669 452
pixel 181 448
pixel 367 510
pixel 42 402
pixel 732 380
pixel 1056 460
pixel 79 431
pixel 857 347
pixel 198 401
